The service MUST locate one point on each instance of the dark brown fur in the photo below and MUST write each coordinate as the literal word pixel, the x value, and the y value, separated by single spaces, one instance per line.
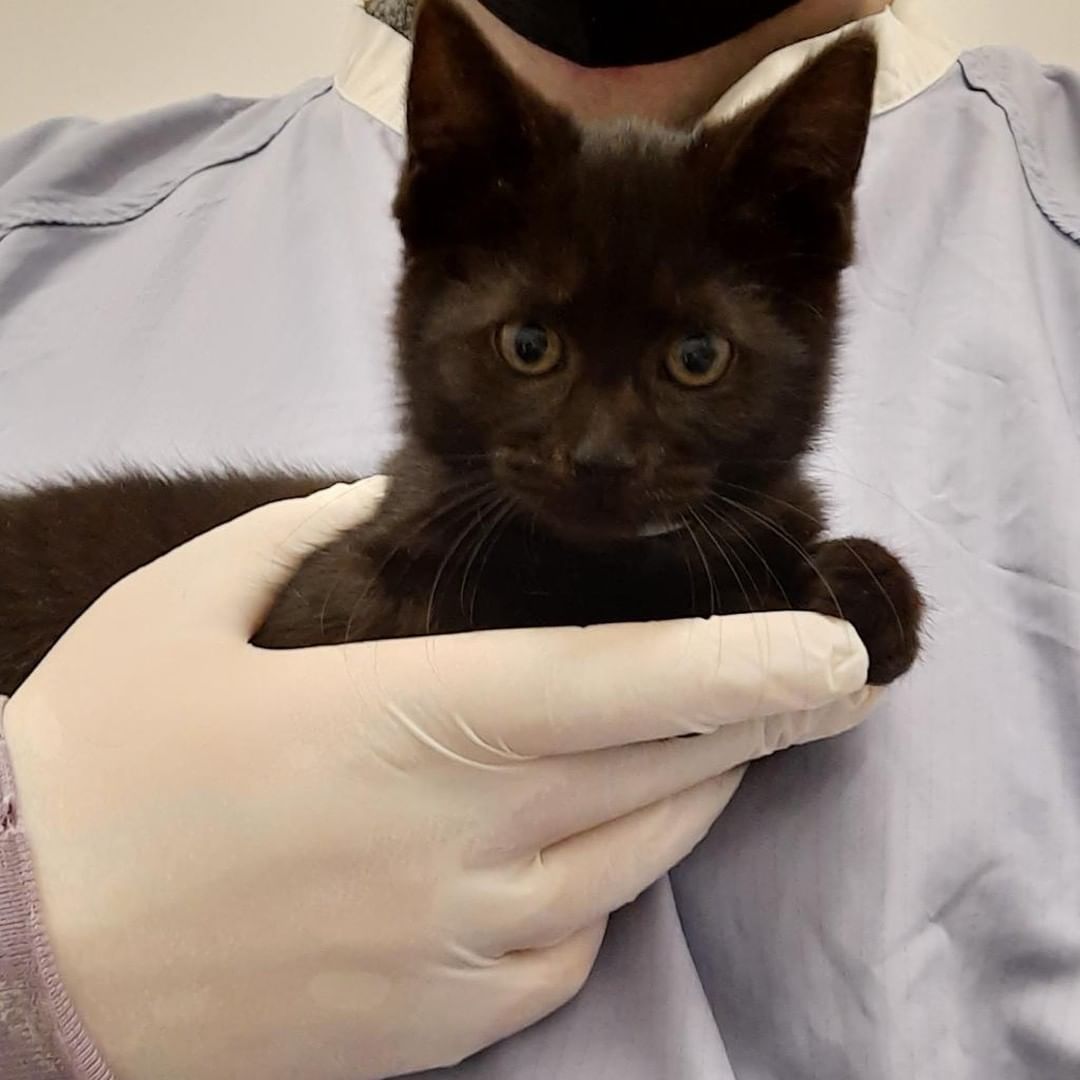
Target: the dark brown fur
pixel 520 500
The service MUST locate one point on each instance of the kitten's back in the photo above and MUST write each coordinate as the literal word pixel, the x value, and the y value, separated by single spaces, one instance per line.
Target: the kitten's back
pixel 61 546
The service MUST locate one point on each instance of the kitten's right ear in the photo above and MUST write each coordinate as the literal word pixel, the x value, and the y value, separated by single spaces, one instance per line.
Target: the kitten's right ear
pixel 475 135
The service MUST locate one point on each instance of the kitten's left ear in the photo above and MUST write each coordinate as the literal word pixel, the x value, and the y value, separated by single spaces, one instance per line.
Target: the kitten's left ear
pixel 476 135
pixel 793 159
pixel 817 124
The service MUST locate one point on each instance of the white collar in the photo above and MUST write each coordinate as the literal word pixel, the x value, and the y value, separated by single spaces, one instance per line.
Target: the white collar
pixel 375 71
pixel 913 54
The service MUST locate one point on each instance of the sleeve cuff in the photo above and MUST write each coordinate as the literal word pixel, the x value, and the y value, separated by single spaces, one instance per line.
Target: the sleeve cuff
pixel 41 1036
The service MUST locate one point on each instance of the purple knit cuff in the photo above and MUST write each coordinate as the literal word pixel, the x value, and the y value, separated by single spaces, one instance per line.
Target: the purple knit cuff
pixel 41 1037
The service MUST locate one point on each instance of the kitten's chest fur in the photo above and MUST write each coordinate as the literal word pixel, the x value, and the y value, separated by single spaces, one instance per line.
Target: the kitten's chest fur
pixel 527 578
pixel 407 574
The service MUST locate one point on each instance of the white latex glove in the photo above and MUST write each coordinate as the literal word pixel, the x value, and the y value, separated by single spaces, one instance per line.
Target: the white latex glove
pixel 367 860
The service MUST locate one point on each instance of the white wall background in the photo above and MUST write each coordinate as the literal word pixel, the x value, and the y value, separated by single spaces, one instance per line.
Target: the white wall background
pixel 104 58
pixel 107 57
pixel 1048 28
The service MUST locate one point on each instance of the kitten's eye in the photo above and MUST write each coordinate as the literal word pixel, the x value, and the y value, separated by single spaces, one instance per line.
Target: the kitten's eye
pixel 529 348
pixel 699 359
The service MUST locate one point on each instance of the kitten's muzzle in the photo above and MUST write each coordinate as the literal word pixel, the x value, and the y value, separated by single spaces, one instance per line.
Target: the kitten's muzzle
pixel 596 493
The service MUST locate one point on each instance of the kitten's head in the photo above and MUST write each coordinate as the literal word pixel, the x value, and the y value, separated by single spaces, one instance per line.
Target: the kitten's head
pixel 610 322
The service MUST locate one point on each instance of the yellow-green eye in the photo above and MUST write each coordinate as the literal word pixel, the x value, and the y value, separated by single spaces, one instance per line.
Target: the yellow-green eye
pixel 529 348
pixel 699 359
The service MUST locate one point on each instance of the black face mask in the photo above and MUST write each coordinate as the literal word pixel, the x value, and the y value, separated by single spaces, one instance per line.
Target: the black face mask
pixel 615 33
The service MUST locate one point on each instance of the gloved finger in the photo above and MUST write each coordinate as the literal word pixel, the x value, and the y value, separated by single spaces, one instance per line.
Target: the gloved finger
pixel 562 690
pixel 562 797
pixel 580 880
pixel 536 982
pixel 232 574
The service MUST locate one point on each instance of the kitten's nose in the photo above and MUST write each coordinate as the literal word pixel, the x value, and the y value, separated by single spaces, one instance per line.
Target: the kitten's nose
pixel 599 456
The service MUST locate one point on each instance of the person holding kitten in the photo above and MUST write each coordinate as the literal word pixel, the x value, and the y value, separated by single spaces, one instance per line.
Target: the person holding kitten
pixel 239 881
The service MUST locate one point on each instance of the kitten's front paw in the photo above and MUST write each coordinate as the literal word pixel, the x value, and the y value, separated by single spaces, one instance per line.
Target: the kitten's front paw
pixel 862 582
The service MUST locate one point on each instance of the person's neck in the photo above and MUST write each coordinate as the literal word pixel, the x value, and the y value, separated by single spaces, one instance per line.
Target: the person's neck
pixel 677 92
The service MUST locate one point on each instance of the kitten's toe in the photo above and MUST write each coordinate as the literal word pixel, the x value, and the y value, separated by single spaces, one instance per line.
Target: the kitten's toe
pixel 860 581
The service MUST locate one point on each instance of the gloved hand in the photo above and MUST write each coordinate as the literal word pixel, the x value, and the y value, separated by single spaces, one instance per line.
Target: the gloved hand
pixel 363 861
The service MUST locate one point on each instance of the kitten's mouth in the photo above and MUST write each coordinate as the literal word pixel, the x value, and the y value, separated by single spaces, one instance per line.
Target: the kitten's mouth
pixel 597 509
pixel 659 528
pixel 586 519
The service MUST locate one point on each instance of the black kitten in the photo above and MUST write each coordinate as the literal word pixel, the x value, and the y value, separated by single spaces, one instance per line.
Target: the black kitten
pixel 615 346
